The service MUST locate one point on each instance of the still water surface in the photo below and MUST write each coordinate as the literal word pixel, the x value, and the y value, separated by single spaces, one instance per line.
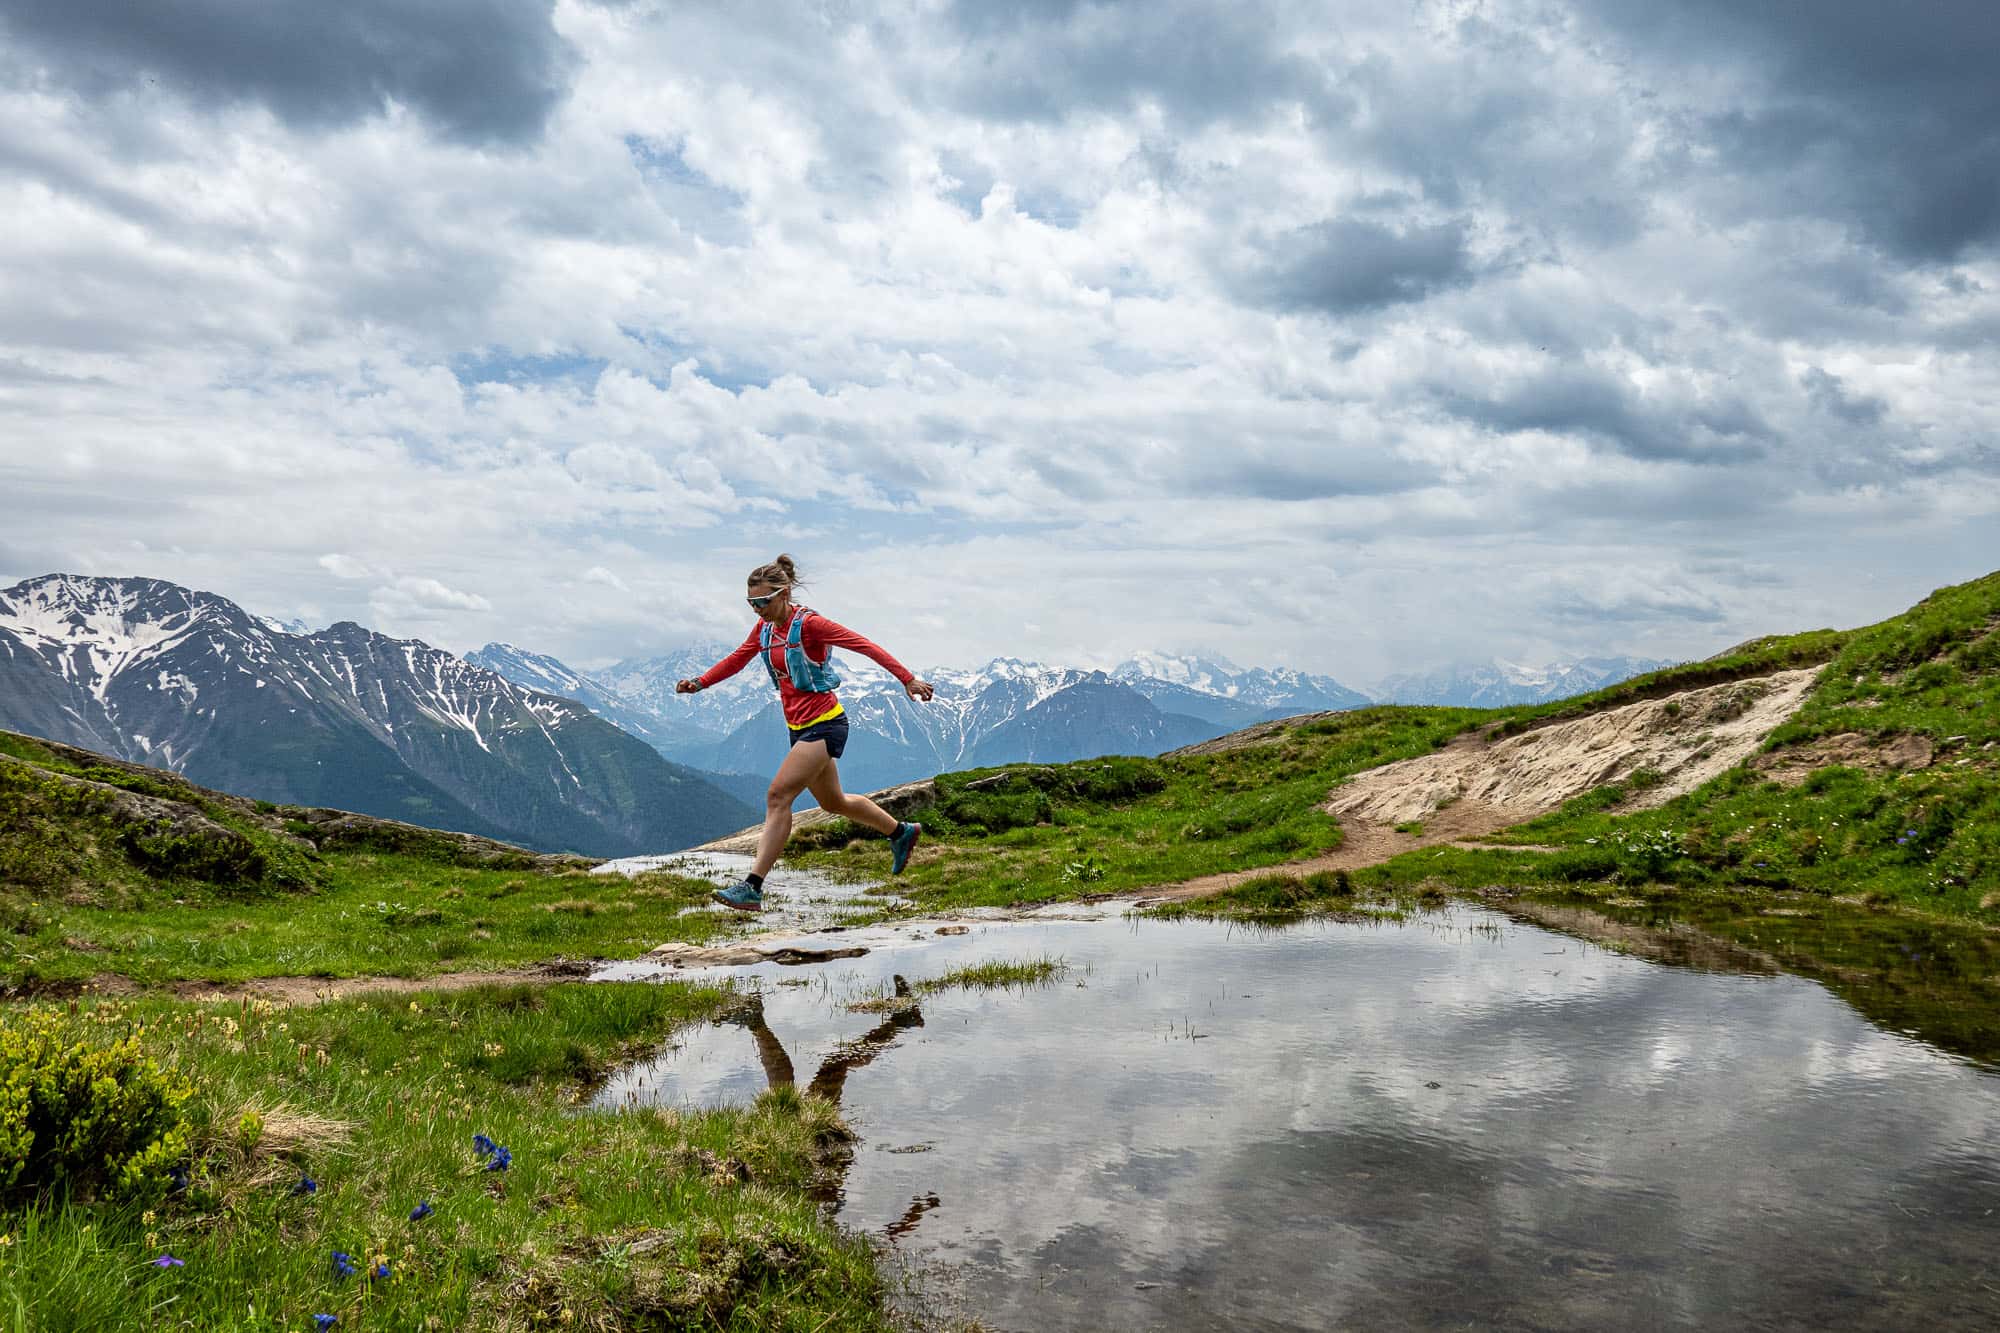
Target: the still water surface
pixel 1459 1120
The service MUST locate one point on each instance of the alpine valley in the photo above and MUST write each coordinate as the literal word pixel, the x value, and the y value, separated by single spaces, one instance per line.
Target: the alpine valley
pixel 150 672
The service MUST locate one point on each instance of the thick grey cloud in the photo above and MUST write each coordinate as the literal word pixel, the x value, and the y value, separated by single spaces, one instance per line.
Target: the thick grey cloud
pixel 479 70
pixel 1348 264
pixel 1885 116
pixel 1829 394
pixel 1594 404
pixel 1051 59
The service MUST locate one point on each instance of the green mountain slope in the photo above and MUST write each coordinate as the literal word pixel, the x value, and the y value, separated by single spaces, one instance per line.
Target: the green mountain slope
pixel 1884 785
pixel 114 871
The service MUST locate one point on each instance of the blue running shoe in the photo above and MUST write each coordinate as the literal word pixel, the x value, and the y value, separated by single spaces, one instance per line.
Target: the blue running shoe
pixel 901 843
pixel 741 897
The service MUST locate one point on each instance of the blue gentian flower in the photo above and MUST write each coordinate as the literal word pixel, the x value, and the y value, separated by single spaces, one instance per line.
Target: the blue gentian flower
pixel 168 1261
pixel 381 1271
pixel 343 1264
pixel 485 1146
pixel 323 1322
pixel 306 1185
pixel 178 1174
pixel 502 1159
pixel 421 1211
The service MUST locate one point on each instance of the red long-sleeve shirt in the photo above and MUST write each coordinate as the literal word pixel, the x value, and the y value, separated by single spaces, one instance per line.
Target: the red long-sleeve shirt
pixel 819 637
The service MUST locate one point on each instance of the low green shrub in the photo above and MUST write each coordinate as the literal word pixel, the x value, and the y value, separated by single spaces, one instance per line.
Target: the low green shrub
pixel 84 1116
pixel 213 853
pixel 982 803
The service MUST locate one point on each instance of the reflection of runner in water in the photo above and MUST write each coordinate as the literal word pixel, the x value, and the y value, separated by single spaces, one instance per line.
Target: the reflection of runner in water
pixel 797 646
pixel 831 1080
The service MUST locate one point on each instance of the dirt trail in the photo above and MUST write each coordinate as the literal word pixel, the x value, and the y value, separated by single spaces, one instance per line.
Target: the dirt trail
pixel 1687 739
pixel 1367 842
pixel 1477 786
pixel 317 990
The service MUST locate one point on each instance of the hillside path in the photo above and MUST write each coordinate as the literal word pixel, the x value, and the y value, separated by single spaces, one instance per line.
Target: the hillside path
pixel 1365 842
pixel 1480 784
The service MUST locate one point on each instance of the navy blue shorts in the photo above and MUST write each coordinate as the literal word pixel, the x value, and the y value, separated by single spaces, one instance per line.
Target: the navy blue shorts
pixel 833 731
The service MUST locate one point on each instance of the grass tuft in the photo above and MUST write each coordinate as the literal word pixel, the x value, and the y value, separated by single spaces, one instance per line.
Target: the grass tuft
pixel 998 974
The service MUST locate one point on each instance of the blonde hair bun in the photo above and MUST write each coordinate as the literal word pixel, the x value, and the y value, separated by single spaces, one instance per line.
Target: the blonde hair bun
pixel 780 573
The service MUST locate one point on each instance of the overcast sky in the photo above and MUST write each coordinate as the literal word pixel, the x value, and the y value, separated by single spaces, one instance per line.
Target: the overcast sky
pixel 1353 337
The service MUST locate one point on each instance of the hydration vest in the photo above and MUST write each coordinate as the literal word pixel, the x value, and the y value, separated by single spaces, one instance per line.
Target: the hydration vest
pixel 808 676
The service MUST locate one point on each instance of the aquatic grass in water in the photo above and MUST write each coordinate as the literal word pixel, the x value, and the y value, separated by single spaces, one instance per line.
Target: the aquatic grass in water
pixel 997 974
pixel 895 994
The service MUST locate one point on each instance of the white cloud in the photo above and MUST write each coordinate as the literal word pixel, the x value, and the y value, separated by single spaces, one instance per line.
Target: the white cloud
pixel 422 592
pixel 344 566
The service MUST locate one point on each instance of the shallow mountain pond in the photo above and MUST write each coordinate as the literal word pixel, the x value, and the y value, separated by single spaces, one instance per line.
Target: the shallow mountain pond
pixel 1454 1119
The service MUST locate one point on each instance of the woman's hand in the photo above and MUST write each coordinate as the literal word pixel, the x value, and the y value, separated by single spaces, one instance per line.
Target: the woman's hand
pixel 687 687
pixel 920 690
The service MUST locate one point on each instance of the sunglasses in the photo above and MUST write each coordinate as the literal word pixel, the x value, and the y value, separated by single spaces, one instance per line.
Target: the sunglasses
pixel 761 602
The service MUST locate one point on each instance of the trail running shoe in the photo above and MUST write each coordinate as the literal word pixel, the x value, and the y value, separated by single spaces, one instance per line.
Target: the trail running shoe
pixel 901 843
pixel 741 897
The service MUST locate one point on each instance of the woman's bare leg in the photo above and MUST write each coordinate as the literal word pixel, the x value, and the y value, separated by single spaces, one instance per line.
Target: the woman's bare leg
pixel 798 771
pixel 826 790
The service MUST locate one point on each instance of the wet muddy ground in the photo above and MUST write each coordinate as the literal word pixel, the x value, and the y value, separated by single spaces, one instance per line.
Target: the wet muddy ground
pixel 795 900
pixel 1457 1119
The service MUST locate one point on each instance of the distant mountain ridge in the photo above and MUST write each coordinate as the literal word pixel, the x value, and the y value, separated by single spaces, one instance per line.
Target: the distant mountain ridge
pixel 1497 684
pixel 151 672
pixel 1006 711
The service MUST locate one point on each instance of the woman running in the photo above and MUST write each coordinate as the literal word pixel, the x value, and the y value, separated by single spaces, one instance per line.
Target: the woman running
pixel 797 646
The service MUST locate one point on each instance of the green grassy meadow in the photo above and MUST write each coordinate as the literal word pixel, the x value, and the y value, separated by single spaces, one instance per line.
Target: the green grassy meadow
pixel 225 896
pixel 641 1218
pixel 376 914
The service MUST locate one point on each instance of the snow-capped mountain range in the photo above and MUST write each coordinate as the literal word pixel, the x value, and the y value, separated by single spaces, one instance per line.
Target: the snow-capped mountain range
pixel 151 672
pixel 1008 710
pixel 1496 684
pixel 1005 711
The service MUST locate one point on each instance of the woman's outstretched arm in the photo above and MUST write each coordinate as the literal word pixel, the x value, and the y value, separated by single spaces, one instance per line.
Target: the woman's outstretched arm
pixel 722 670
pixel 824 635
